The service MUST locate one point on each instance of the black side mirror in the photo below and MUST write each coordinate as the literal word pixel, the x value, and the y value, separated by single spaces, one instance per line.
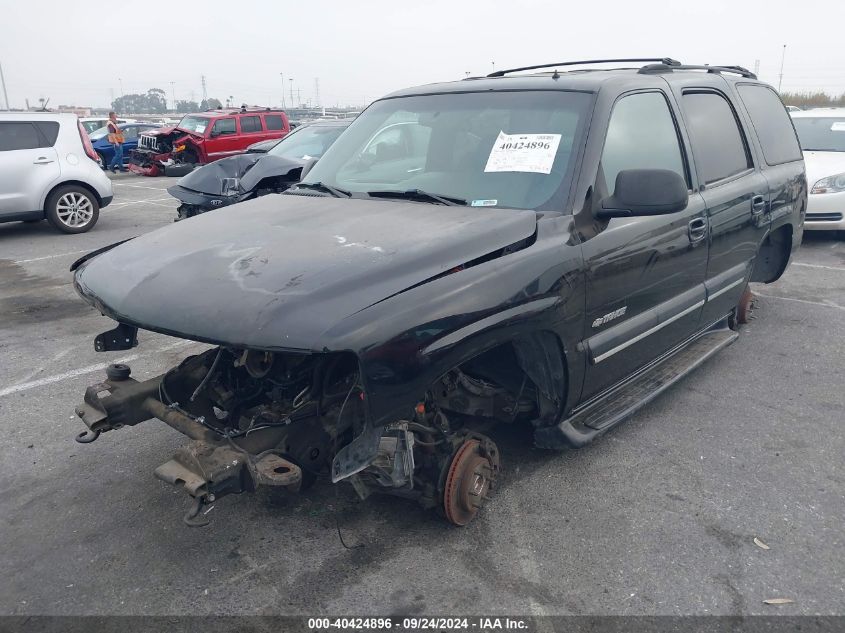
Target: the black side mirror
pixel 645 192
pixel 214 133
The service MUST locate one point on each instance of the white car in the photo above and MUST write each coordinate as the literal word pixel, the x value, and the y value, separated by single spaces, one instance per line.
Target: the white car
pixel 822 135
pixel 48 169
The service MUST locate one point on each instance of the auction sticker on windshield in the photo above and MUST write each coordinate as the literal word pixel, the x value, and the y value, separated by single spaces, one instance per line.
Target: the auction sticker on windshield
pixel 523 152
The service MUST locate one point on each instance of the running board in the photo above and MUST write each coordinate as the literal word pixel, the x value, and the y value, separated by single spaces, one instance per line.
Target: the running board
pixel 601 415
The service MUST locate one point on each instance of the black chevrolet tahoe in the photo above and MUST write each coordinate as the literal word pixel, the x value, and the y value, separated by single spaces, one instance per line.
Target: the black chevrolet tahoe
pixel 547 248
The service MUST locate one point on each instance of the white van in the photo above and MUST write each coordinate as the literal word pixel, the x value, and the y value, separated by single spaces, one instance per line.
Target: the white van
pixel 48 169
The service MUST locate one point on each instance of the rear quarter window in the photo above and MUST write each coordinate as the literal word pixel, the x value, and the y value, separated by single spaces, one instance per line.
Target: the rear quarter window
pixel 49 131
pixel 718 143
pixel 771 124
pixel 274 122
pixel 15 135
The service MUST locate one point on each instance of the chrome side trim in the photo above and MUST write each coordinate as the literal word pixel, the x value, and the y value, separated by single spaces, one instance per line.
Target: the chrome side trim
pixel 640 337
pixel 725 289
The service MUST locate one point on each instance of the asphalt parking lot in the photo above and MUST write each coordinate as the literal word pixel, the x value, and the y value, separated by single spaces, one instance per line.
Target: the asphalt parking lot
pixel 658 517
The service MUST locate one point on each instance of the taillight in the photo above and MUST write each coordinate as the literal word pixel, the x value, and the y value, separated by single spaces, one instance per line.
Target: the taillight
pixel 86 142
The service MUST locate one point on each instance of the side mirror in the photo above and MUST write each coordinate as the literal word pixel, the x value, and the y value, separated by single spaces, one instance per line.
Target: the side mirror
pixel 308 166
pixel 214 133
pixel 645 192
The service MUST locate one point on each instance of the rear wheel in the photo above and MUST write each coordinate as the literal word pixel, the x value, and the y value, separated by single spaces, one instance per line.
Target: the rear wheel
pixel 742 313
pixel 72 209
pixel 101 161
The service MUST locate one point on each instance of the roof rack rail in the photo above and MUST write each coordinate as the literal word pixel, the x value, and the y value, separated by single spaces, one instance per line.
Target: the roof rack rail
pixel 667 61
pixel 662 68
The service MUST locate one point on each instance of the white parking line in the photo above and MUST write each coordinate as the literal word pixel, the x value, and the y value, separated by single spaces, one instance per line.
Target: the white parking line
pixel 38 259
pixel 828 304
pixel 840 269
pixel 81 371
pixel 129 203
pixel 123 184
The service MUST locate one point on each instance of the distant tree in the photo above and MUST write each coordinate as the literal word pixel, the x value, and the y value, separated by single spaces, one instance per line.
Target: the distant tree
pixel 156 101
pixel 187 106
pixel 152 102
pixel 210 104
pixel 817 99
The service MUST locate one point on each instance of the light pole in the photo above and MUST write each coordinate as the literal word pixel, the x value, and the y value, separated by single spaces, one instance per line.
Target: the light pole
pixel 782 58
pixel 3 83
pixel 120 81
pixel 173 95
pixel 282 75
pixel 292 102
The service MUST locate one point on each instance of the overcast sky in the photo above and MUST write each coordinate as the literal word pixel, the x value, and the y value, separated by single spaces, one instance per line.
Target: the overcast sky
pixel 81 52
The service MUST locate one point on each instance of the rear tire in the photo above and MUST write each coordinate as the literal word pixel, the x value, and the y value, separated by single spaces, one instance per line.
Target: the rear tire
pixel 72 209
pixel 101 161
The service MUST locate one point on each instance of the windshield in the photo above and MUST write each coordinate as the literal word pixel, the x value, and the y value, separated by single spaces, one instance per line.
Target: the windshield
pixel 91 126
pixel 99 133
pixel 822 134
pixel 489 149
pixel 310 141
pixel 193 123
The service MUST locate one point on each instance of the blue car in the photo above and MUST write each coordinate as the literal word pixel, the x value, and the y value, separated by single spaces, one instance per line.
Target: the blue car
pixel 104 149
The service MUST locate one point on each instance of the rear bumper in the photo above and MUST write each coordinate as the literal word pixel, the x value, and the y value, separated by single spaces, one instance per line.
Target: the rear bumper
pixel 105 201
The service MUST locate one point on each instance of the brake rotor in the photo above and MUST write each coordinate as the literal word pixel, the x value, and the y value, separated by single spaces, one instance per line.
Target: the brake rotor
pixel 745 306
pixel 471 476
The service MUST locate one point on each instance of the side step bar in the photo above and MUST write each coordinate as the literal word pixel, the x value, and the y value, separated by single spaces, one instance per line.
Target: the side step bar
pixel 601 415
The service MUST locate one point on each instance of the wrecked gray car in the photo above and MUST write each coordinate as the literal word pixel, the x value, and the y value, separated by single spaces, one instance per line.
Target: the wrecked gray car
pixel 246 176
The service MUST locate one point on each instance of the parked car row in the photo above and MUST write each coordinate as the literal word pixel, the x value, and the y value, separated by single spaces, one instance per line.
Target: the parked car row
pixel 202 138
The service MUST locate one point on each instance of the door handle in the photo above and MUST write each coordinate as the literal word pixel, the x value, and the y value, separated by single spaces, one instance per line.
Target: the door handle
pixel 758 205
pixel 42 160
pixel 697 230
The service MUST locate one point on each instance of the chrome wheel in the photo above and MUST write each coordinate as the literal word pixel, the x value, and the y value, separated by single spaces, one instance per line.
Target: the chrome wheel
pixel 74 210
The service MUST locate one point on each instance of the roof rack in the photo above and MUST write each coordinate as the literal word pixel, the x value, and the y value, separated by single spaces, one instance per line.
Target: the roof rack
pixel 663 68
pixel 666 61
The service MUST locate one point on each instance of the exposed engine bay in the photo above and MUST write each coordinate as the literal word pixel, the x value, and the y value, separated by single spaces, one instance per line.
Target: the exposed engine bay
pixel 162 151
pixel 282 419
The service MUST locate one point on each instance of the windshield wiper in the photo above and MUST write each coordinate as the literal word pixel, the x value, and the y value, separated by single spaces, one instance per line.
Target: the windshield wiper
pixel 320 186
pixel 418 194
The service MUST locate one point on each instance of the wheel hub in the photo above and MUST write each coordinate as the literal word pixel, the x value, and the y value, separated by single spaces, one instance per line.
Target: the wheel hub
pixel 471 476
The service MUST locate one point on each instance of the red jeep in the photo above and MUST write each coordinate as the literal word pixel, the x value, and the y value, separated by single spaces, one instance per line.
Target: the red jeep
pixel 204 137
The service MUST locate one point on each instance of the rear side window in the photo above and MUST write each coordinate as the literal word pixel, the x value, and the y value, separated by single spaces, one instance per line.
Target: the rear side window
pixel 771 123
pixel 641 135
pixel 18 135
pixel 717 141
pixel 224 126
pixel 250 124
pixel 274 122
pixel 49 131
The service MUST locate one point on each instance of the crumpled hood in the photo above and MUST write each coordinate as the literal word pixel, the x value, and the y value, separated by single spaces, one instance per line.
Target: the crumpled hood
pixel 822 164
pixel 159 131
pixel 209 178
pixel 278 271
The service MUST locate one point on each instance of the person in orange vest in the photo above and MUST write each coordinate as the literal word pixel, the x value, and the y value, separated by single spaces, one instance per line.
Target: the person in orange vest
pixel 115 137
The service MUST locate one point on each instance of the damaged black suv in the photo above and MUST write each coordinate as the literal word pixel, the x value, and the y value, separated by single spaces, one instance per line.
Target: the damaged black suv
pixel 548 250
